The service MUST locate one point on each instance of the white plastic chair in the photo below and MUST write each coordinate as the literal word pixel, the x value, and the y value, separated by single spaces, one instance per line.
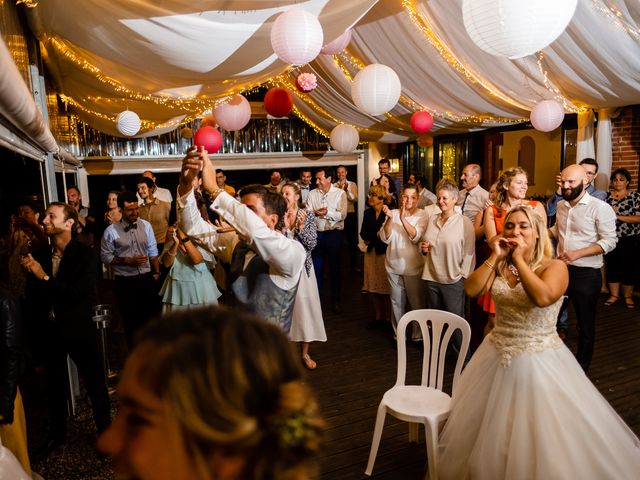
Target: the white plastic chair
pixel 425 403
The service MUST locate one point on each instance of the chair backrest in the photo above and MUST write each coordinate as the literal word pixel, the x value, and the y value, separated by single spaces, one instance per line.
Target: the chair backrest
pixel 437 327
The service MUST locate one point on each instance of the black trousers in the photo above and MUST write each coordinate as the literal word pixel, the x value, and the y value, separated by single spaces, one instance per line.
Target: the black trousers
pixel 138 301
pixel 329 246
pixel 584 291
pixel 351 234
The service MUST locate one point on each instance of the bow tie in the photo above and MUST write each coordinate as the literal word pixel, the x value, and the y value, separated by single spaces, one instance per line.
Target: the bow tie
pixel 130 226
pixel 304 188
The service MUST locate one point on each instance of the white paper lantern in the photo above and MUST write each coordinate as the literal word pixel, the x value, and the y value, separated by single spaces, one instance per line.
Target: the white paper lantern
pixel 337 45
pixel 515 29
pixel 128 123
pixel 296 37
pixel 234 114
pixel 375 89
pixel 547 116
pixel 344 138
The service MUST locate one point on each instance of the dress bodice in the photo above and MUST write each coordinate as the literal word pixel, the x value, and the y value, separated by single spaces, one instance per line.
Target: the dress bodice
pixel 520 325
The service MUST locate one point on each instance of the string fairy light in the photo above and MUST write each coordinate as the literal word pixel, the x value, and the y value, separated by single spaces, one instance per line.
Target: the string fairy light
pixel 616 16
pixel 557 94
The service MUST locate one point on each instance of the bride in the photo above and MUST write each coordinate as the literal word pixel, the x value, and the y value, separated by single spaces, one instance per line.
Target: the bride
pixel 523 408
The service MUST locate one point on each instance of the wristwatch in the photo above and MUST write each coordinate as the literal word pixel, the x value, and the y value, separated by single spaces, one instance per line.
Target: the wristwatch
pixel 185 240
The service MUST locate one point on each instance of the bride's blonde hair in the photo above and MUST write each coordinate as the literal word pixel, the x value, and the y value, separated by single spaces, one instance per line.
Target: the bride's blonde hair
pixel 542 249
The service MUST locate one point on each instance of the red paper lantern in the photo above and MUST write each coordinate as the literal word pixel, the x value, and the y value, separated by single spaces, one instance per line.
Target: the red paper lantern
pixel 278 102
pixel 209 121
pixel 425 141
pixel 421 122
pixel 209 138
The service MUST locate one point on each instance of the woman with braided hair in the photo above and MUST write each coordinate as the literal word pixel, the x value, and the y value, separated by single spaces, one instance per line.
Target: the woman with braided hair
pixel 213 394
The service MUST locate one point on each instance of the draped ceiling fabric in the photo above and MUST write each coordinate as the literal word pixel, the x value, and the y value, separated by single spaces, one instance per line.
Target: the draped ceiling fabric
pixel 170 60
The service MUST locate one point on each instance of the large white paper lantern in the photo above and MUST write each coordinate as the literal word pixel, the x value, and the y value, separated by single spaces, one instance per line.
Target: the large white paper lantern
pixel 128 123
pixel 337 45
pixel 234 114
pixel 344 138
pixel 547 115
pixel 375 89
pixel 514 29
pixel 296 37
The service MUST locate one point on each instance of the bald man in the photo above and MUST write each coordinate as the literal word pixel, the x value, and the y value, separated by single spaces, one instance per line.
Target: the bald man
pixel 585 229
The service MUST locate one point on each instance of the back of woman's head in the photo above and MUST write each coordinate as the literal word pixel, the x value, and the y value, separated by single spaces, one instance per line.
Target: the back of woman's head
pixel 234 385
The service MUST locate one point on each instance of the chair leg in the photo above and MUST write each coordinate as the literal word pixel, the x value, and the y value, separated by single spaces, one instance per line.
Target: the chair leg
pixel 414 432
pixel 377 435
pixel 431 439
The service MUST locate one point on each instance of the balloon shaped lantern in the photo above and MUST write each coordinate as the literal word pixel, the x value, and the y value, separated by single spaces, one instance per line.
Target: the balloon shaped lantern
pixel 296 37
pixel 547 115
pixel 234 114
pixel 278 102
pixel 516 29
pixel 128 123
pixel 421 122
pixel 425 141
pixel 344 138
pixel 209 138
pixel 375 89
pixel 209 121
pixel 337 45
pixel 186 133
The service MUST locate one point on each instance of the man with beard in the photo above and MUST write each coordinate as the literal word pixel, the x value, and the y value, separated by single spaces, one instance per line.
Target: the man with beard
pixel 585 230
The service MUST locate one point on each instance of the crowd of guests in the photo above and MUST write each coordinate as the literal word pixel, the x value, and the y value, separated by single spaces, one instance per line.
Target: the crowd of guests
pixel 267 250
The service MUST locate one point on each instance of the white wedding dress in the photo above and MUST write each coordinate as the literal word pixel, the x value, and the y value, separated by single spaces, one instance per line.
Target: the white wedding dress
pixel 524 409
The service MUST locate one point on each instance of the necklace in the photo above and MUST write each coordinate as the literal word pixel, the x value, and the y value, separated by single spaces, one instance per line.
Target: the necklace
pixel 512 268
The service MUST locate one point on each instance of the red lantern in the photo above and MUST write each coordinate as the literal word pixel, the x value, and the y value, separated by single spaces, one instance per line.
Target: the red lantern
pixel 425 141
pixel 209 121
pixel 421 122
pixel 209 138
pixel 278 102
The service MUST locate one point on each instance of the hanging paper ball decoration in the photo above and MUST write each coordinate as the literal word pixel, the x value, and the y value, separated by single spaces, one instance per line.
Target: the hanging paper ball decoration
pixel 234 114
pixel 344 138
pixel 375 89
pixel 278 102
pixel 186 133
pixel 421 122
pixel 209 121
pixel 209 138
pixel 547 115
pixel 516 29
pixel 306 82
pixel 337 45
pixel 128 123
pixel 425 141
pixel 296 37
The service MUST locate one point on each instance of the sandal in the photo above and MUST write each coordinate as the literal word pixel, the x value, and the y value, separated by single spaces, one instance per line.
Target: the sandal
pixel 308 362
pixel 629 303
pixel 611 300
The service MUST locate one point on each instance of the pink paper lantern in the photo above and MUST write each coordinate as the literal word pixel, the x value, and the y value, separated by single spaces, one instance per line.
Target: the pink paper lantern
pixel 234 114
pixel 296 37
pixel 209 138
pixel 547 115
pixel 278 102
pixel 425 141
pixel 421 122
pixel 337 45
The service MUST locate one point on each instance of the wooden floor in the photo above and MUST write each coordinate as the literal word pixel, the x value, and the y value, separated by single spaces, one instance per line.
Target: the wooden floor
pixel 356 366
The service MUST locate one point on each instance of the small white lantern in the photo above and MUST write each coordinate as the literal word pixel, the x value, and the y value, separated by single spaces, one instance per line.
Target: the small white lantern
pixel 375 89
pixel 234 114
pixel 547 116
pixel 337 45
pixel 344 138
pixel 128 123
pixel 296 37
pixel 513 29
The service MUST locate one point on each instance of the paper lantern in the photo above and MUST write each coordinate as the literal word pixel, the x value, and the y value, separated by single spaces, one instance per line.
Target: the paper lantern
pixel 209 138
pixel 425 141
pixel 296 37
pixel 234 114
pixel 547 115
pixel 306 82
pixel 344 138
pixel 186 133
pixel 278 102
pixel 209 121
pixel 421 122
pixel 337 45
pixel 375 89
pixel 128 123
pixel 513 29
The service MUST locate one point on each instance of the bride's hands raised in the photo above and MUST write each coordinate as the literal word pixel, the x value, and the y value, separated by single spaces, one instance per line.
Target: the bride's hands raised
pixel 500 246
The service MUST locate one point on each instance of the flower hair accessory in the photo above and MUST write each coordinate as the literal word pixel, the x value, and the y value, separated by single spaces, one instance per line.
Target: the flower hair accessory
pixel 306 82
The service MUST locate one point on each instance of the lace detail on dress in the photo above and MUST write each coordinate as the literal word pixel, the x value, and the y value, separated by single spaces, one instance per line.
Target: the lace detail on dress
pixel 520 325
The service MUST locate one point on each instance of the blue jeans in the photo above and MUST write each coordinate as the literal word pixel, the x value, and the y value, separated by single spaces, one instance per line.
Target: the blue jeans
pixel 329 245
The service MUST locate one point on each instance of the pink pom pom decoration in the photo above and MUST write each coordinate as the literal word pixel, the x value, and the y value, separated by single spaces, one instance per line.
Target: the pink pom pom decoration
pixel 306 82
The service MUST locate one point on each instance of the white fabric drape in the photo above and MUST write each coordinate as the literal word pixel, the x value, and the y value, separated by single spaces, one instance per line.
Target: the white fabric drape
pixel 605 153
pixel 585 147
